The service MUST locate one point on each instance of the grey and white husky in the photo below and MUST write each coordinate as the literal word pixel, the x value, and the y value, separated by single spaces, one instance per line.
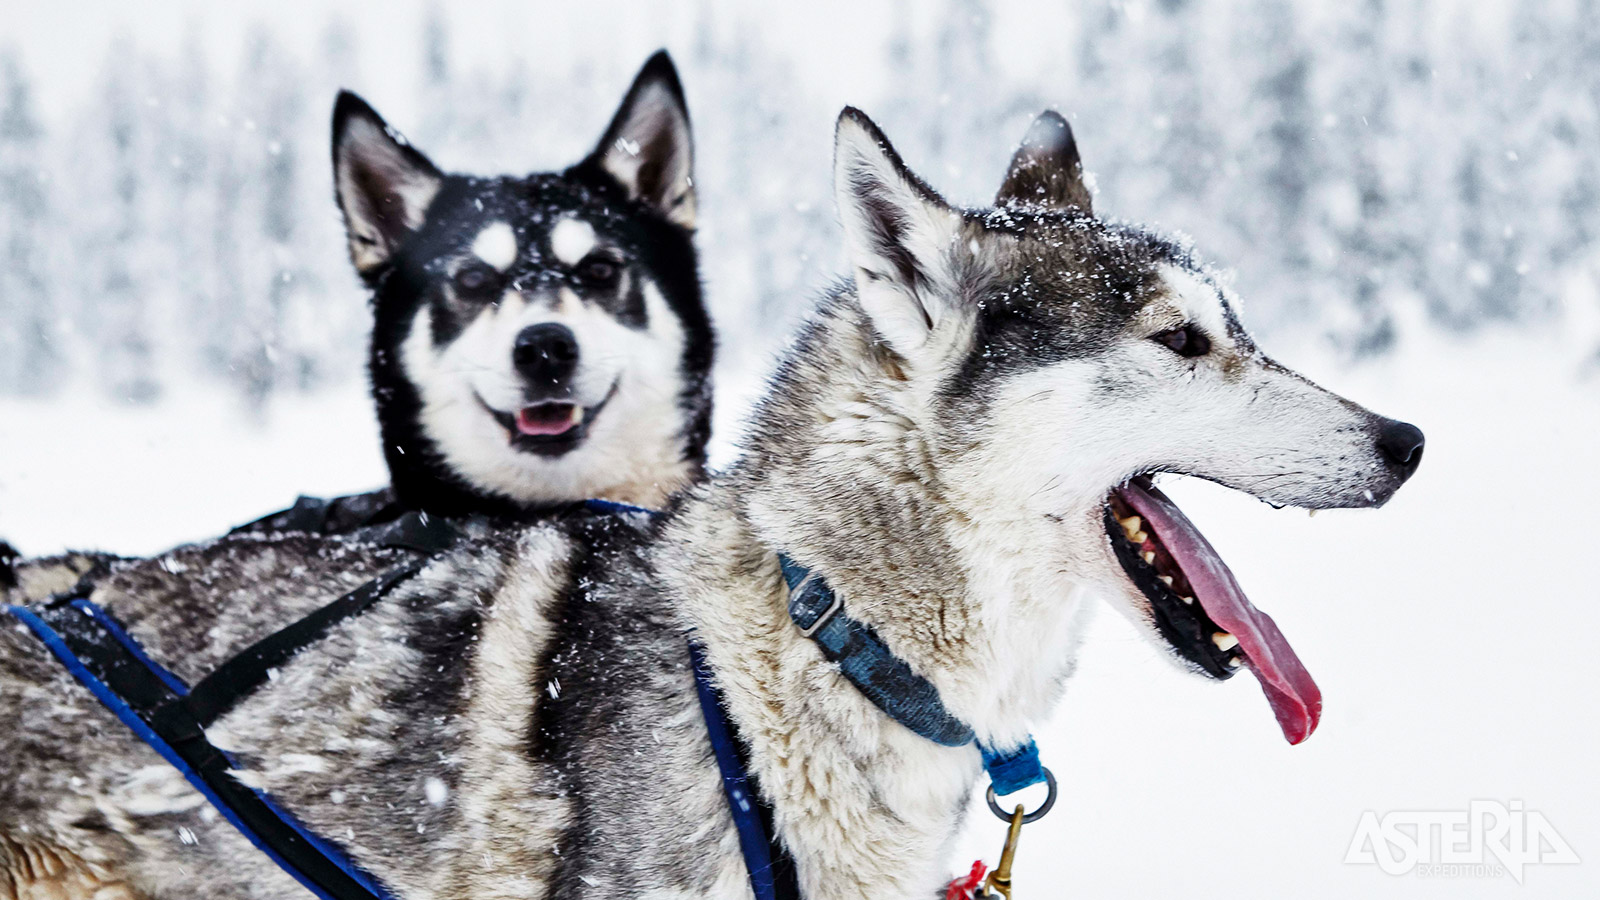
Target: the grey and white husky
pixel 961 442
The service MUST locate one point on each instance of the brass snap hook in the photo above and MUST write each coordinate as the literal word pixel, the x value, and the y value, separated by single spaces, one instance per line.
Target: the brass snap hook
pixel 999 881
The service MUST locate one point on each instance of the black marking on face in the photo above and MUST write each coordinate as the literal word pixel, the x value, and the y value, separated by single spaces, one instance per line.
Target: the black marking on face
pixel 1242 341
pixel 607 277
pixel 1065 286
pixel 460 282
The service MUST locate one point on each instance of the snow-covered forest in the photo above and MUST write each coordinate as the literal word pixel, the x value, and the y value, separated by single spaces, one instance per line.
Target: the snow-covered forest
pixel 1358 162
pixel 1407 193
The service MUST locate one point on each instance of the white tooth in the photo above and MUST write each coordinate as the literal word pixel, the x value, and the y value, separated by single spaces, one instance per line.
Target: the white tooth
pixel 1139 537
pixel 1224 641
pixel 1148 556
pixel 1187 601
pixel 1165 579
pixel 1311 514
pixel 1130 524
pixel 1235 662
pixel 577 415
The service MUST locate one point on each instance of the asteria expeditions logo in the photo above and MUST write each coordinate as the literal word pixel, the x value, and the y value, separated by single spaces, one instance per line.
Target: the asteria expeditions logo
pixel 1488 839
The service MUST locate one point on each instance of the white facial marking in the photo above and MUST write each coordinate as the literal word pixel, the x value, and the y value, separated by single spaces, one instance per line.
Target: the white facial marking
pixel 571 240
pixel 568 303
pixel 633 450
pixel 1198 299
pixel 496 245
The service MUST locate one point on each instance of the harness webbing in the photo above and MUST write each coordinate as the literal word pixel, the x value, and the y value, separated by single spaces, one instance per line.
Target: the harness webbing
pixel 149 701
pixel 167 714
pixel 771 868
pixel 766 859
pixel 214 695
pixel 164 712
pixel 249 669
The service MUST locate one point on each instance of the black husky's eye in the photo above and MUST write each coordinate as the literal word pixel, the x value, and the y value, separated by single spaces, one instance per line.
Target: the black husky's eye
pixel 1187 341
pixel 476 280
pixel 599 271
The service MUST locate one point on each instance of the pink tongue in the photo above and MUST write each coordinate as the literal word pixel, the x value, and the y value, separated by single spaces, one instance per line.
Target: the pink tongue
pixel 1293 695
pixel 548 419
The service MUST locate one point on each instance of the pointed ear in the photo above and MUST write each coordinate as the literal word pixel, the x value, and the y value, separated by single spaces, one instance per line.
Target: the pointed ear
pixel 1046 170
pixel 648 148
pixel 383 185
pixel 897 235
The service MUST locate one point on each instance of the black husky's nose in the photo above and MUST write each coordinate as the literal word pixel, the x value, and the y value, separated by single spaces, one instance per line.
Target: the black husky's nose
pixel 546 354
pixel 1401 443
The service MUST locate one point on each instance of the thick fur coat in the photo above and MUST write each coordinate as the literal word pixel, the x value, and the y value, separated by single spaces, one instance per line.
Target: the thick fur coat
pixel 520 720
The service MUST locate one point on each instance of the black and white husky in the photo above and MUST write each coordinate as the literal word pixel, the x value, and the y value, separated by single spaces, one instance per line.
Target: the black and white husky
pixel 961 443
pixel 537 339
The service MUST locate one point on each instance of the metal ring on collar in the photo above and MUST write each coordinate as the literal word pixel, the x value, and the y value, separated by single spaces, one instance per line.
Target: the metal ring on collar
pixel 1036 815
pixel 835 603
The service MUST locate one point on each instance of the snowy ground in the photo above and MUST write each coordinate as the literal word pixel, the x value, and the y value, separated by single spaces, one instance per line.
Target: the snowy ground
pixel 1452 632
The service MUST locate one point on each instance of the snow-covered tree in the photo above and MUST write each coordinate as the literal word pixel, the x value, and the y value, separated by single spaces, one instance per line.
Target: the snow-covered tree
pixel 1352 160
pixel 113 196
pixel 30 356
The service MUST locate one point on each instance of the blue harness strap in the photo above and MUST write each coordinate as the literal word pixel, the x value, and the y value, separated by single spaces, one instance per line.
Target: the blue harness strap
pixel 171 717
pixel 612 506
pixel 770 867
pixel 772 873
pixel 121 636
pixel 99 653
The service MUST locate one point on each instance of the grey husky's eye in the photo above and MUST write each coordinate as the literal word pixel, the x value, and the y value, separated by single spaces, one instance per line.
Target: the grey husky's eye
pixel 475 280
pixel 599 271
pixel 1187 341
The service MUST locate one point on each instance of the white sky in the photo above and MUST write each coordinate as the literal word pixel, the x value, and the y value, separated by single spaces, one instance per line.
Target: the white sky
pixel 837 47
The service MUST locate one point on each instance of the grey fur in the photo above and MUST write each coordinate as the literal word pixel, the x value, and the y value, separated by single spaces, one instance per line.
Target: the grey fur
pixel 541 676
pixel 35 579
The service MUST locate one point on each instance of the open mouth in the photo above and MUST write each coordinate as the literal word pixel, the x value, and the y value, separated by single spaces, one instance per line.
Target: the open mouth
pixel 1198 607
pixel 549 419
pixel 549 427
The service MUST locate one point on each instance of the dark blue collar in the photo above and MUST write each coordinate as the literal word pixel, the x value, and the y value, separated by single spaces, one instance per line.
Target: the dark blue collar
pixel 889 681
pixel 886 679
pixel 864 659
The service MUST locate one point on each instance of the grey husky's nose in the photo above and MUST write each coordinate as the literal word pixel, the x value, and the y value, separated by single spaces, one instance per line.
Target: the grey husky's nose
pixel 1402 443
pixel 546 354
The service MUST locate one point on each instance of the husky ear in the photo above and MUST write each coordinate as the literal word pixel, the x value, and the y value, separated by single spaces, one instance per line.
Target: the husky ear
pixel 897 234
pixel 648 148
pixel 382 183
pixel 1046 170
